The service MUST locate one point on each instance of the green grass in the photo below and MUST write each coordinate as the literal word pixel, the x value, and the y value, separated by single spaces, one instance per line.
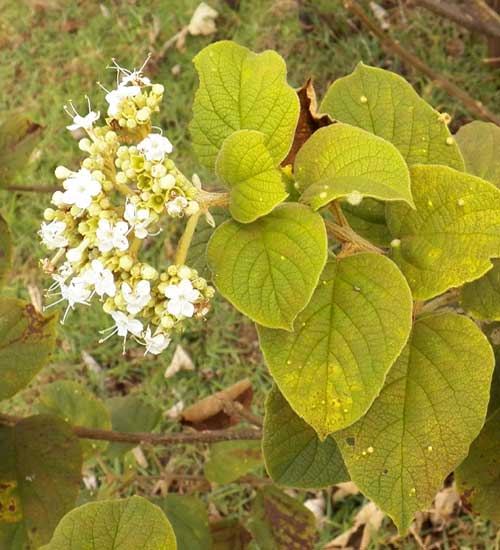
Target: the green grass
pixel 56 50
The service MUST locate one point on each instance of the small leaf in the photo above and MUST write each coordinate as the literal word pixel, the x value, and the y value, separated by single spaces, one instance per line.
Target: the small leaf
pixel 293 454
pixel 245 166
pixel 133 523
pixel 39 477
pixel 5 249
pixel 451 236
pixel 229 534
pixel 189 519
pixel 385 104
pixel 18 136
pixel 242 90
pixel 368 220
pixel 345 161
pixel 280 522
pixel 481 298
pixel 27 339
pixel 331 368
pixel 478 477
pixel 77 406
pixel 420 427
pixel 229 460
pixel 130 413
pixel 268 269
pixel 479 143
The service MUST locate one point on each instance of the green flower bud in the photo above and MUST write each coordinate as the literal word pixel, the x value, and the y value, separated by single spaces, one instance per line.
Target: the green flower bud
pixel 172 270
pixel 107 186
pixel 137 162
pixel 158 171
pixel 131 123
pixel 184 272
pixel 157 89
pixel 126 262
pixel 143 115
pixel 49 214
pixel 121 178
pixel 148 272
pixel 167 182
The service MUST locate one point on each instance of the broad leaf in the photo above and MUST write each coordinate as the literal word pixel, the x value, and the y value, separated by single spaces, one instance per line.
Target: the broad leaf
pixel 26 341
pixel 331 368
pixel 420 427
pixel 280 522
pixel 189 519
pixel 268 269
pixel 245 165
pixel 229 534
pixel 229 460
pixel 481 298
pixel 368 220
pixel 478 477
pixel 345 161
pixel 385 104
pixel 479 143
pixel 130 413
pixel 39 477
pixel 293 453
pixel 242 90
pixel 5 249
pixel 77 406
pixel 130 523
pixel 451 236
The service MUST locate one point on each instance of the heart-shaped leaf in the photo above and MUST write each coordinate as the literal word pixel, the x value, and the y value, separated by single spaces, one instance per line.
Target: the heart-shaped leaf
pixel 229 460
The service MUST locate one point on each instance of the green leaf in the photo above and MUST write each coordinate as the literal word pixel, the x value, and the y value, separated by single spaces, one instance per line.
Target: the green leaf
pixel 18 137
pixel 189 519
pixel 27 339
pixel 130 413
pixel 77 406
pixel 481 298
pixel 280 522
pixel 229 460
pixel 268 269
pixel 479 143
pixel 126 524
pixel 293 453
pixel 420 427
pixel 368 220
pixel 245 165
pixel 5 250
pixel 478 477
pixel 331 368
pixel 242 90
pixel 385 104
pixel 39 477
pixel 345 161
pixel 229 534
pixel 451 236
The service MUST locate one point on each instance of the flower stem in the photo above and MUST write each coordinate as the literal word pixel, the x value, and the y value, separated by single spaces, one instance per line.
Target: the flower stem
pixel 346 234
pixel 187 237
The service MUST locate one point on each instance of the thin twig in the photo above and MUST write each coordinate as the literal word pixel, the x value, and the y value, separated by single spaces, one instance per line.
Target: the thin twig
pixel 472 104
pixel 346 234
pixel 32 188
pixel 237 410
pixel 336 210
pixel 446 299
pixel 251 480
pixel 152 438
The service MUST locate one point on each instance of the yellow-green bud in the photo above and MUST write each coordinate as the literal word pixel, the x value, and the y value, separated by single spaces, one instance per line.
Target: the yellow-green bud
pixel 61 173
pixel 131 123
pixel 148 272
pixel 167 182
pixel 121 178
pixel 172 270
pixel 158 171
pixel 143 114
pixel 167 322
pixel 136 271
pixel 107 186
pixel 184 272
pixel 84 144
pixel 126 262
pixel 157 89
pixel 48 214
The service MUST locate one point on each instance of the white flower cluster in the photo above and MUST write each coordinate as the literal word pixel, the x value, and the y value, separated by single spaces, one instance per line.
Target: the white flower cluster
pixel 107 208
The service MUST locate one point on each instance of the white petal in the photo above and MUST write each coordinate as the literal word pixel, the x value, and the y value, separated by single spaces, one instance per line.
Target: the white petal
pixel 187 309
pixel 172 291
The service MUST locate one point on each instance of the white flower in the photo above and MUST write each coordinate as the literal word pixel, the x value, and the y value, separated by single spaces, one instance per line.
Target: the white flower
pixel 57 198
pixel 80 188
pixel 123 325
pixel 53 234
pixel 115 98
pixel 111 236
pixel 138 218
pixel 135 77
pixel 181 298
pixel 101 279
pixel 85 122
pixel 155 147
pixel 157 343
pixel 77 291
pixel 136 299
pixel 176 207
pixel 203 20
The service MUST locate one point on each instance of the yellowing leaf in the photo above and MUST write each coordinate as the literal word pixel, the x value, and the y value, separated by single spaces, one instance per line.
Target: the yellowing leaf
pixel 133 523
pixel 40 469
pixel 385 104
pixel 481 298
pixel 479 143
pixel 5 249
pixel 333 365
pixel 242 90
pixel 345 161
pixel 26 341
pixel 293 453
pixel 368 220
pixel 245 166
pixel 451 236
pixel 268 269
pixel 429 411
pixel 229 460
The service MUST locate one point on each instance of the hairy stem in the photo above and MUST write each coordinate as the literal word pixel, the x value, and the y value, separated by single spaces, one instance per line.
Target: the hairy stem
pixel 32 188
pixel 187 237
pixel 346 234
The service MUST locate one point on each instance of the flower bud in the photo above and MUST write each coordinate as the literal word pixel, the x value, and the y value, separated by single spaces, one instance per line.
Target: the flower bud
pixel 184 272
pixel 121 178
pixel 84 144
pixel 48 214
pixel 158 171
pixel 157 89
pixel 167 182
pixel 148 272
pixel 61 173
pixel 126 262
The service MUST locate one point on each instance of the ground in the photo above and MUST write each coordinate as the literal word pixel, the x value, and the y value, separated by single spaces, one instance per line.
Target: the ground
pixel 56 50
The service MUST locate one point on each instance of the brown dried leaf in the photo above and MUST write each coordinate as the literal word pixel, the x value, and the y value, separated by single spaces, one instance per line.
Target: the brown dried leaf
pixel 229 534
pixel 343 490
pixel 180 361
pixel 209 414
pixel 309 120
